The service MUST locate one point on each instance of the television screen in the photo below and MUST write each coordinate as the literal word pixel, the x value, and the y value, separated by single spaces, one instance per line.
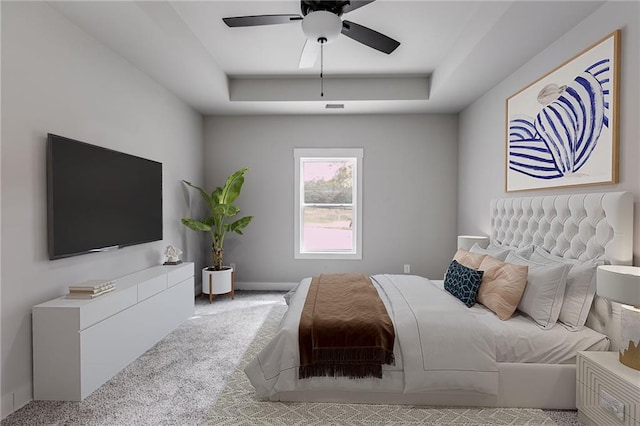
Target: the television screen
pixel 99 199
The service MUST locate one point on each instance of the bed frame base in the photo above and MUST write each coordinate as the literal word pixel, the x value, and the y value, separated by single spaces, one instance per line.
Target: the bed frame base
pixel 521 385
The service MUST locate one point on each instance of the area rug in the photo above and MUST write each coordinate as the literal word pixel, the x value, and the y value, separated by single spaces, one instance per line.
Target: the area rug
pixel 238 405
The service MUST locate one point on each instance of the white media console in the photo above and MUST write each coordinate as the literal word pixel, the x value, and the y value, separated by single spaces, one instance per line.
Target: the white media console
pixel 80 344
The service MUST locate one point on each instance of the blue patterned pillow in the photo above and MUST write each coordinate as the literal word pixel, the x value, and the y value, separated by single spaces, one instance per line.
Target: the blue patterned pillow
pixel 463 282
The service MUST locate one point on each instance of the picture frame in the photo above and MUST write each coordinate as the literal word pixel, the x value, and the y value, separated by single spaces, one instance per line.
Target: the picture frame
pixel 562 129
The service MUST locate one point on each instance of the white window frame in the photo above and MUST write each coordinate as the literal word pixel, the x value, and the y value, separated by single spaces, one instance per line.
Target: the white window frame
pixel 328 154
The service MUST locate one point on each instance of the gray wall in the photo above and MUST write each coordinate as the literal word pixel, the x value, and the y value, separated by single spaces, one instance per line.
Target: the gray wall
pixel 481 145
pixel 409 190
pixel 56 78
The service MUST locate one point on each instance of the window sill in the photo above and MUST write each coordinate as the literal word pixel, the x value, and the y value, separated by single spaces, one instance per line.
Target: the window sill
pixel 328 256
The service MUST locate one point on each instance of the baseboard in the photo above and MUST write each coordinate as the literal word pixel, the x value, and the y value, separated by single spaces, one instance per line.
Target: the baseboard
pixel 13 401
pixel 250 285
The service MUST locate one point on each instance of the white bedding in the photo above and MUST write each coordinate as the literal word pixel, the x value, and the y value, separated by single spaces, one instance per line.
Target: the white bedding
pixel 520 340
pixel 440 344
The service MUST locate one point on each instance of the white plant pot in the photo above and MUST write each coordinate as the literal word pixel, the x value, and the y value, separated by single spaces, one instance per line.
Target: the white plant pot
pixel 217 282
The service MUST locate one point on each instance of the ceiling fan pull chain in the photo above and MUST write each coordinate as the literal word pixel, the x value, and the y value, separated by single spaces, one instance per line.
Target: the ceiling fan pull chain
pixel 322 41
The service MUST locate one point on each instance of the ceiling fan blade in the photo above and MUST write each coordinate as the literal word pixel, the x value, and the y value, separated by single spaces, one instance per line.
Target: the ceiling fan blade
pixel 251 21
pixel 309 55
pixel 369 37
pixel 355 4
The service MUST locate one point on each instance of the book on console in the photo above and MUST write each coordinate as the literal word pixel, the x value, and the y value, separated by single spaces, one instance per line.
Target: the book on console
pixel 91 290
pixel 92 285
pixel 85 295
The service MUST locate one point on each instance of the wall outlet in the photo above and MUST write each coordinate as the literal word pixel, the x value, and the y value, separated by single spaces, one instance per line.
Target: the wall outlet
pixel 611 404
pixel 407 269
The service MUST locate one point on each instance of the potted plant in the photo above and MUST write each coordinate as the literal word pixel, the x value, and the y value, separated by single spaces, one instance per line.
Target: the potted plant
pixel 218 279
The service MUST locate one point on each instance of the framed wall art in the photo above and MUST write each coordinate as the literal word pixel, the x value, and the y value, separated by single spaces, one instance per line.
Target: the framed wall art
pixel 562 130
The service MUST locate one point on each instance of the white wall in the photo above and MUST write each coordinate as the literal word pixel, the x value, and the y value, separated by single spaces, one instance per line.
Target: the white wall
pixel 409 190
pixel 56 78
pixel 481 162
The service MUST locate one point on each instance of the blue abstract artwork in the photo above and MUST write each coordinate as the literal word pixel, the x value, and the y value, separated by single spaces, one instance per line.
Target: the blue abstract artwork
pixel 569 114
pixel 560 139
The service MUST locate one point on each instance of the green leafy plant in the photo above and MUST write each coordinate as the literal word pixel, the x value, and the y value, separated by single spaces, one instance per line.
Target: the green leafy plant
pixel 220 209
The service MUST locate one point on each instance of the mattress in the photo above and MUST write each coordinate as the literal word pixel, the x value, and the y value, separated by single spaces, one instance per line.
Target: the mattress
pixel 440 344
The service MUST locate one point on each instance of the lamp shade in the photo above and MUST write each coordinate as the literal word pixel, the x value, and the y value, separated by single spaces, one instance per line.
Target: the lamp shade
pixel 467 241
pixel 622 284
pixel 619 283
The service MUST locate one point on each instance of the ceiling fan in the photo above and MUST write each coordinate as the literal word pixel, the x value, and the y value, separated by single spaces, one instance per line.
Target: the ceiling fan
pixel 321 24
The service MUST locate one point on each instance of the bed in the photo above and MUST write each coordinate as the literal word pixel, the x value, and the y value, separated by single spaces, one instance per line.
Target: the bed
pixel 448 354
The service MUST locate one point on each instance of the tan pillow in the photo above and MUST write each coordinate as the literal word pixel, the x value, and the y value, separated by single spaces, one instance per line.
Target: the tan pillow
pixel 502 286
pixel 468 259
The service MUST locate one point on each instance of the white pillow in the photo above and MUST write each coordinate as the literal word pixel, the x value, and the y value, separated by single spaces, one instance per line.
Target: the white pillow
pixel 495 252
pixel 580 289
pixel 544 293
pixel 501 252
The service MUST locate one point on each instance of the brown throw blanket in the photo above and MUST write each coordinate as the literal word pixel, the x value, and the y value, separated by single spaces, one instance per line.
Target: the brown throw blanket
pixel 345 329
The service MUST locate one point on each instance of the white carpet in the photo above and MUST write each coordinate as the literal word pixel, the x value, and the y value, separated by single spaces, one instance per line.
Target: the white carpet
pixel 177 381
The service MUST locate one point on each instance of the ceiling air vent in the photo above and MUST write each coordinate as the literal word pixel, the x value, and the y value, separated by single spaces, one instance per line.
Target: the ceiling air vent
pixel 334 106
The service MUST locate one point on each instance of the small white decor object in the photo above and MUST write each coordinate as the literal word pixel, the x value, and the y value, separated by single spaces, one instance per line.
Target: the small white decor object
pixel 173 255
pixel 621 284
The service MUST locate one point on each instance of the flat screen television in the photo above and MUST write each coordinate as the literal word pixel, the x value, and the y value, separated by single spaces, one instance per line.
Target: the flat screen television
pixel 99 199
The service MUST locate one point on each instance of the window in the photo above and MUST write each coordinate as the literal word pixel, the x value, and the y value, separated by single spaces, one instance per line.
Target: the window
pixel 328 203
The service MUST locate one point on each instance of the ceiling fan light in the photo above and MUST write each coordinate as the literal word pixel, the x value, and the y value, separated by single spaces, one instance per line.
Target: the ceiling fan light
pixel 321 25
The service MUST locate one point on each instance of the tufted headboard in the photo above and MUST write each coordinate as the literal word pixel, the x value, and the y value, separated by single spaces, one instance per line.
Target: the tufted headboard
pixel 575 226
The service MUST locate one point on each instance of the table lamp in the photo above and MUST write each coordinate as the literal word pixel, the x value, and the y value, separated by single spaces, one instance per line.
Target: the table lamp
pixel 621 284
pixel 467 241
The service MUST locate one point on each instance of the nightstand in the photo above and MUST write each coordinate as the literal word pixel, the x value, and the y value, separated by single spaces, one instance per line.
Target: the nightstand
pixel 607 392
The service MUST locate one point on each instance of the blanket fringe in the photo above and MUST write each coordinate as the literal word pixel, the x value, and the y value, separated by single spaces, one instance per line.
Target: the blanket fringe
pixel 352 371
pixel 349 355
